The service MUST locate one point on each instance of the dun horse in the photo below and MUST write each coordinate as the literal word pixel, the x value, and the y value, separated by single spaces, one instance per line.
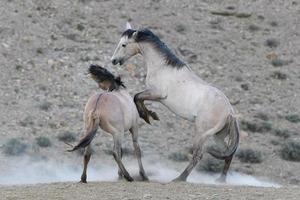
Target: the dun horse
pixel 171 82
pixel 115 112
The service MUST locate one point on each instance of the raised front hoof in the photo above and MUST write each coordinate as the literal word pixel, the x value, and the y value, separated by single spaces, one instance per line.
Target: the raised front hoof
pixel 144 115
pixel 154 115
pixel 221 179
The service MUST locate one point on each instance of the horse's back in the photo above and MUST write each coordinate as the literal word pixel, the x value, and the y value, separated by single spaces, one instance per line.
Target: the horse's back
pixel 113 109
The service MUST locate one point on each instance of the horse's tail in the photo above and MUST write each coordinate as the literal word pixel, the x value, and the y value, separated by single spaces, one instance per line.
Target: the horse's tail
pixel 91 130
pixel 233 142
pixel 92 120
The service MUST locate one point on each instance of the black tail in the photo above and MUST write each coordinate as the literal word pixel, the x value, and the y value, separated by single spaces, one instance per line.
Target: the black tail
pixel 234 134
pixel 88 137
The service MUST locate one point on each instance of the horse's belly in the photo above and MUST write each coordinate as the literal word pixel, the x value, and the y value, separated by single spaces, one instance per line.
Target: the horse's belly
pixel 184 107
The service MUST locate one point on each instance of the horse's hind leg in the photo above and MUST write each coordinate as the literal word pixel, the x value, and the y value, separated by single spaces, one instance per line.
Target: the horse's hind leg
pixel 120 174
pixel 222 178
pixel 197 155
pixel 137 150
pixel 198 145
pixel 86 159
pixel 117 156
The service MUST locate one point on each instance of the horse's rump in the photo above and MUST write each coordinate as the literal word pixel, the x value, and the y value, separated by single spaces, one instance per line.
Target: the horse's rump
pixel 230 134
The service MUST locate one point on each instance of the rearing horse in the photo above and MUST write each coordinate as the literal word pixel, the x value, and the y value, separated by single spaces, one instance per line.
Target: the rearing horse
pixel 171 82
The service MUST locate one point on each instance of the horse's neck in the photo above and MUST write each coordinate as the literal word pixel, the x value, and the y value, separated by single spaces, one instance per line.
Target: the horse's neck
pixel 152 58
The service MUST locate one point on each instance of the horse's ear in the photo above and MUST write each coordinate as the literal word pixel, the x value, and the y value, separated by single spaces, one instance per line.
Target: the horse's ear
pixel 128 26
pixel 135 35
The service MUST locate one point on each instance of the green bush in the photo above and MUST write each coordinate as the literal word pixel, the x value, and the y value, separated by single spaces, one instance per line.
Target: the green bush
pixel 279 75
pixel 281 132
pixel 291 151
pixel 249 156
pixel 45 105
pixel 179 156
pixel 275 142
pixel 272 43
pixel 250 126
pixel 43 141
pixel 277 62
pixel 253 28
pixel 67 137
pixel 264 126
pixel 294 118
pixel 262 116
pixel 14 147
pixel 210 165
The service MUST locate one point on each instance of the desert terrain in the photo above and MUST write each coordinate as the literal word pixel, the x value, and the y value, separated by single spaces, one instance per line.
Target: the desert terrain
pixel 249 50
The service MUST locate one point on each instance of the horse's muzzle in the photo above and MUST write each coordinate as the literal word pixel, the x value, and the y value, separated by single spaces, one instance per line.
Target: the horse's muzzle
pixel 116 61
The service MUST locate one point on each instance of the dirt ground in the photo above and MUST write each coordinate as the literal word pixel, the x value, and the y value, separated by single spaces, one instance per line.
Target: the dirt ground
pixel 249 50
pixel 139 190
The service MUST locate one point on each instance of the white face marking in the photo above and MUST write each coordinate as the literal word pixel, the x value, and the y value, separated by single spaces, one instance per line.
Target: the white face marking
pixel 125 50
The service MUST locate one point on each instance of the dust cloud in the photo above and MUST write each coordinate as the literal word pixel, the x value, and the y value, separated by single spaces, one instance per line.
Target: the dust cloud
pixel 25 171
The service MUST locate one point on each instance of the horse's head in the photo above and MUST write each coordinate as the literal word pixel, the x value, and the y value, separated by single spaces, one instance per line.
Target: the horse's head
pixel 105 79
pixel 127 46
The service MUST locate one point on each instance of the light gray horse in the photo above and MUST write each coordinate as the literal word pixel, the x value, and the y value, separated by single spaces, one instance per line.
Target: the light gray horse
pixel 172 83
pixel 115 112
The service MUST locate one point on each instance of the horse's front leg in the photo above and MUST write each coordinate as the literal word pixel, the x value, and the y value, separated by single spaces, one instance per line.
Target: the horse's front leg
pixel 137 151
pixel 151 95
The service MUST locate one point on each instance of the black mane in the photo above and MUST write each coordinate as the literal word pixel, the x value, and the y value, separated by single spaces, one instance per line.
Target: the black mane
pixel 145 35
pixel 100 74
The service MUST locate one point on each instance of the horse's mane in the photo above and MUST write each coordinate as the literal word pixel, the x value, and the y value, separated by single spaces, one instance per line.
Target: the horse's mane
pixel 100 74
pixel 145 35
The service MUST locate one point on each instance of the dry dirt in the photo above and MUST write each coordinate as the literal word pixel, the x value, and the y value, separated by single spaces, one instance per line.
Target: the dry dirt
pixel 46 47
pixel 138 190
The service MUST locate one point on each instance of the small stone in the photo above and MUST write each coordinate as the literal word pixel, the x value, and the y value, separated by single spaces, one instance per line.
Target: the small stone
pixel 245 86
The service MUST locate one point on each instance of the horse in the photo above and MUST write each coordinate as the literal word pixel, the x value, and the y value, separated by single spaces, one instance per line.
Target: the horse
pixel 115 112
pixel 172 83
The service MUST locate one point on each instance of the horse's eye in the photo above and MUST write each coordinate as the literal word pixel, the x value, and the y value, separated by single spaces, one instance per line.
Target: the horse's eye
pixel 123 45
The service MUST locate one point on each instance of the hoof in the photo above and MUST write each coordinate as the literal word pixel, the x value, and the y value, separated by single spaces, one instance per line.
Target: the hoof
pixel 154 115
pixel 221 179
pixel 178 179
pixel 144 115
pixel 129 179
pixel 82 181
pixel 120 178
pixel 144 177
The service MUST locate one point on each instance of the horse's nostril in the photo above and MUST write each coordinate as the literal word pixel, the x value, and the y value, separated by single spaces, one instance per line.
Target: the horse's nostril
pixel 114 61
